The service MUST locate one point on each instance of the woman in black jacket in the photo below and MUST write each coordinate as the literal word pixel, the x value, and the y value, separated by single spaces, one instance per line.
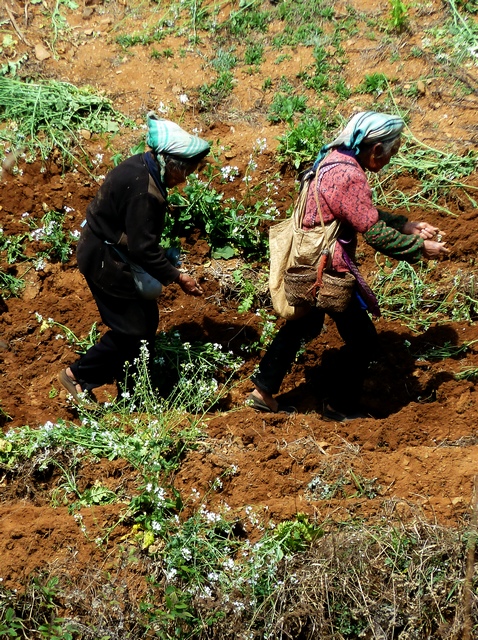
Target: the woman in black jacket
pixel 124 223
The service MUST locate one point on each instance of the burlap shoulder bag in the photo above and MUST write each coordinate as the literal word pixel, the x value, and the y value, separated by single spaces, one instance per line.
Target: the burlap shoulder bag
pixel 313 282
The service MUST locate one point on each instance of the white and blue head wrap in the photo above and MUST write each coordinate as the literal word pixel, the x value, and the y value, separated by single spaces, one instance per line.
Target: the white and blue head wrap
pixel 366 126
pixel 165 136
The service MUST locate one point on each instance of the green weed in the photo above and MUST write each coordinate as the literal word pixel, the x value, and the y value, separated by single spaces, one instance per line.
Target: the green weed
pixel 442 352
pixel 247 19
pixel 81 344
pixel 10 285
pixel 13 247
pixel 301 142
pixel 56 243
pixel 398 15
pixel 34 613
pixel 284 107
pixel 156 34
pixel 231 225
pixel 225 60
pixel 454 42
pixel 375 83
pixel 211 95
pixel 410 295
pixel 254 54
pixel 436 172
pixel 268 330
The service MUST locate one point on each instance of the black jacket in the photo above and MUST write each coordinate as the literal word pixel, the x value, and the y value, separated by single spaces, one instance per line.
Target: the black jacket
pixel 129 211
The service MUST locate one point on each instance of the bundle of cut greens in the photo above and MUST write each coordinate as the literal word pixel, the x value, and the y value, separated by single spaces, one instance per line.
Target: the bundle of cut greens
pixel 43 116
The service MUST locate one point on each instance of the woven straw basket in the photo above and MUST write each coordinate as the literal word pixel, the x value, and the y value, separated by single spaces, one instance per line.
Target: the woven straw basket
pixel 336 291
pixel 297 284
pixel 334 294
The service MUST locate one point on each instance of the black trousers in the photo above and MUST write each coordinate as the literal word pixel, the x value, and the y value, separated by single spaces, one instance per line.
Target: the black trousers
pixel 130 321
pixel 345 381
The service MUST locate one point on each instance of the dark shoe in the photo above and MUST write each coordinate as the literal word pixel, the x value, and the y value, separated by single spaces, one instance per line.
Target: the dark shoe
pixel 260 405
pixel 332 415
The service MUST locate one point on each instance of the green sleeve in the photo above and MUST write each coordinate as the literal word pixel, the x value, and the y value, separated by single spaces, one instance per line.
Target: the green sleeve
pixel 391 220
pixel 394 244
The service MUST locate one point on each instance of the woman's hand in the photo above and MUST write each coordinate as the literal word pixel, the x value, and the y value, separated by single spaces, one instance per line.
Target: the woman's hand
pixel 432 249
pixel 189 285
pixel 422 229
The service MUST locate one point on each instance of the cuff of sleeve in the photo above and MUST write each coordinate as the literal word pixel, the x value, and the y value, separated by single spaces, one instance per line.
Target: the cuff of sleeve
pixel 394 244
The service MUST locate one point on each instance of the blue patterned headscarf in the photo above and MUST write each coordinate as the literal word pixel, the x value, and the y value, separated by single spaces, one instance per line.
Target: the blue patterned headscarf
pixel 165 136
pixel 367 126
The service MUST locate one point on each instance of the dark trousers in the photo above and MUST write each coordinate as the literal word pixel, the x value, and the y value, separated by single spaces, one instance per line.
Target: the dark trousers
pixel 345 381
pixel 130 321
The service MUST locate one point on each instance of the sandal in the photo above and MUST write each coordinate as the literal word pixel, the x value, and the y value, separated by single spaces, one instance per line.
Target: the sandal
pixel 259 405
pixel 70 384
pixel 331 415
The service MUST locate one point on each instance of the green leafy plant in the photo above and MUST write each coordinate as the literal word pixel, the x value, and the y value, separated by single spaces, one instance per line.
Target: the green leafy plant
pixel 10 285
pixel 248 18
pixel 301 142
pixel 211 95
pixel 231 225
pixel 284 107
pixel 51 235
pixel 225 60
pixel 374 83
pixel 254 53
pixel 13 246
pixel 398 15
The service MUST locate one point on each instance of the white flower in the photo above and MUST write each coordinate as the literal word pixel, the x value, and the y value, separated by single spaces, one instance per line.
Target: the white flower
pixel 186 553
pixel 183 98
pixel 171 574
pixel 261 144
pixel 39 266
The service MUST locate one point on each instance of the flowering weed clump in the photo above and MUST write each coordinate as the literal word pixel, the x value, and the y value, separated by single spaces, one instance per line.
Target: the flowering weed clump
pixel 232 225
pixel 200 371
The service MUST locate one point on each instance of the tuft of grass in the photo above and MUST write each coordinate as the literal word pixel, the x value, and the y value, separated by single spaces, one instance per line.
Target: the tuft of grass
pixel 411 295
pixel 437 172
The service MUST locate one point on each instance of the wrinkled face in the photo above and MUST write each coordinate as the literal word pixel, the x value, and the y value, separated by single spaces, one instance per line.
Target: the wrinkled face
pixel 378 156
